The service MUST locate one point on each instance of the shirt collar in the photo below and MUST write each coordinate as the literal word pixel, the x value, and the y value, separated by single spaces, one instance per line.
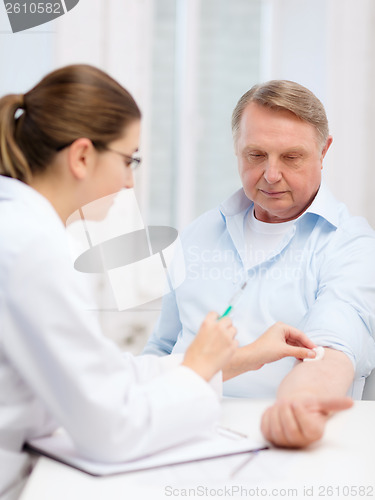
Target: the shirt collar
pixel 324 205
pixel 235 204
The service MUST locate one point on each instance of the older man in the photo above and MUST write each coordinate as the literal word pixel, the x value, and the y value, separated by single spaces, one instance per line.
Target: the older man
pixel 304 259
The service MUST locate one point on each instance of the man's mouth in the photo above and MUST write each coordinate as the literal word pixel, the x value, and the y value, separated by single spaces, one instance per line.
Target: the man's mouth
pixel 272 194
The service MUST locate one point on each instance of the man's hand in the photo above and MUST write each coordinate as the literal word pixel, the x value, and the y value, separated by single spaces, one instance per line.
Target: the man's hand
pixel 306 398
pixel 296 424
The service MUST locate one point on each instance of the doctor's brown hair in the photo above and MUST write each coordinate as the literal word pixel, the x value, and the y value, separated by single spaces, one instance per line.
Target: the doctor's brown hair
pixel 69 103
pixel 287 95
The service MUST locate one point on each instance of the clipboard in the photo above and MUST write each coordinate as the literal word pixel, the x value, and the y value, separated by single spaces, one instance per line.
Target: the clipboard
pixel 60 447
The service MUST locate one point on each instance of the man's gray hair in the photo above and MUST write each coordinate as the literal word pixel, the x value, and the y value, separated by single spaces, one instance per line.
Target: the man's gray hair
pixel 287 95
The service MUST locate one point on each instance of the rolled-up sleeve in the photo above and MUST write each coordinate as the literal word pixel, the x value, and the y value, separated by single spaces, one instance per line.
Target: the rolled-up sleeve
pixel 343 315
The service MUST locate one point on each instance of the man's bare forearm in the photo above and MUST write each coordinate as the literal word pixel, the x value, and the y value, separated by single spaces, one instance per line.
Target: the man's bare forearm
pixel 330 377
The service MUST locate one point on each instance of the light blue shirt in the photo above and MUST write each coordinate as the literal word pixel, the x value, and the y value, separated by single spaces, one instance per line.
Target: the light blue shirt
pixel 320 278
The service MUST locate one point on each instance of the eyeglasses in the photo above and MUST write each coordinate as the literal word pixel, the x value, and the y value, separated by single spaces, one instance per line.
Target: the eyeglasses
pixel 132 162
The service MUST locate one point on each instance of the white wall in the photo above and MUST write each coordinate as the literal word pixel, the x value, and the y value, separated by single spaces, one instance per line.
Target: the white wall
pixel 350 82
pixel 24 57
pixel 329 46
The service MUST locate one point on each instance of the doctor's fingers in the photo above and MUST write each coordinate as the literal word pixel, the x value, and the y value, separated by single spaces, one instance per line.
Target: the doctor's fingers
pixel 231 331
pixel 226 325
pixel 213 317
pixel 228 336
pixel 296 337
pixel 300 352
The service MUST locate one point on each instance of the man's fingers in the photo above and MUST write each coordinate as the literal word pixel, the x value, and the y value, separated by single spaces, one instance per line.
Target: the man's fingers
pixel 296 424
pixel 310 423
pixel 336 404
pixel 276 429
pixel 280 426
pixel 291 428
pixel 306 415
pixel 265 424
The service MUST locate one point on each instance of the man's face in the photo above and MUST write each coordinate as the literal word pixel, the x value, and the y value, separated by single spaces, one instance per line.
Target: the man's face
pixel 280 162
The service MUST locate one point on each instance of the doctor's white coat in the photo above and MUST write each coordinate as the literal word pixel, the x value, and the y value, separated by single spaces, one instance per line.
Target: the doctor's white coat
pixel 57 368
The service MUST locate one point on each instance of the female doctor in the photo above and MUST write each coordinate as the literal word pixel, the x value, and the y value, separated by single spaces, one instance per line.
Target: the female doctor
pixel 69 141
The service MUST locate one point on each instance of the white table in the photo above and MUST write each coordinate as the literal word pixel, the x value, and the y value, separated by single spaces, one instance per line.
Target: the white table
pixel 341 465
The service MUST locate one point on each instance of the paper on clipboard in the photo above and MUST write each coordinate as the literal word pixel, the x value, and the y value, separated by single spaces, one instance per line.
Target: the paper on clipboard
pixel 61 448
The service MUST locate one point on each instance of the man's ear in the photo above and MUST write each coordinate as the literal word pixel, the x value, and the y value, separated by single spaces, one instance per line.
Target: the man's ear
pixel 326 146
pixel 81 156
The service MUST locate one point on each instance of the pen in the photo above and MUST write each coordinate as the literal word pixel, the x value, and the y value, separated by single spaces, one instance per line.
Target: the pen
pixel 251 457
pixel 234 300
pixel 225 431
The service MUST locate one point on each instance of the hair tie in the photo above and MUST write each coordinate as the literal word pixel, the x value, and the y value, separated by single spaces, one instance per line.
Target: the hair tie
pixel 20 110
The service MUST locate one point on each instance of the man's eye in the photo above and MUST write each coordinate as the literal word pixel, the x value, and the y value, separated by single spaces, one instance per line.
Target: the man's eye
pixel 292 157
pixel 256 156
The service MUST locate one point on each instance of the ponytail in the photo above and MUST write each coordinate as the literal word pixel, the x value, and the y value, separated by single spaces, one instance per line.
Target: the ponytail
pixel 12 160
pixel 69 103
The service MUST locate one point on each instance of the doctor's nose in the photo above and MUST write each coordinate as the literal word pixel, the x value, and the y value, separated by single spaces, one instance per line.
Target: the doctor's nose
pixel 129 179
pixel 272 172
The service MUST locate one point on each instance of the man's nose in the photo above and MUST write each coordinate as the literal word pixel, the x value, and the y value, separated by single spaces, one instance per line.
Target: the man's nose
pixel 272 172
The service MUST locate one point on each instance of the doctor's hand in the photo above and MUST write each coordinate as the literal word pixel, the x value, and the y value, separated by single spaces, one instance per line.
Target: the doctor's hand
pixel 280 341
pixel 212 347
pixel 298 423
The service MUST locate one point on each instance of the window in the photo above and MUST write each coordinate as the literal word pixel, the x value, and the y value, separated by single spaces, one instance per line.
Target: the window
pixel 206 54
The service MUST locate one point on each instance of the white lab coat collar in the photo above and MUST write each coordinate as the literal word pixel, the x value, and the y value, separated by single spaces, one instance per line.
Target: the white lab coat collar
pixel 11 189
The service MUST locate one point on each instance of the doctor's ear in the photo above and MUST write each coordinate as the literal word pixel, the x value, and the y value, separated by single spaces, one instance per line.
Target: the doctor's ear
pixel 81 155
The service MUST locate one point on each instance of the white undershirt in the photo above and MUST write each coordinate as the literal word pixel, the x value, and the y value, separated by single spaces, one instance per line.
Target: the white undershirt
pixel 262 238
